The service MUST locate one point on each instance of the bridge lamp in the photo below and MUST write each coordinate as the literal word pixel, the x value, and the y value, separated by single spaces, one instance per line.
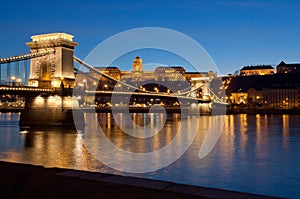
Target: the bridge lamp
pixel 168 91
pixel 13 78
pixel 62 82
pixel 19 80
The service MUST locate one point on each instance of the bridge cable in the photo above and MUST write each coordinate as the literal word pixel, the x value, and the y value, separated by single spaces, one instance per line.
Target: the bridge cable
pixel 81 62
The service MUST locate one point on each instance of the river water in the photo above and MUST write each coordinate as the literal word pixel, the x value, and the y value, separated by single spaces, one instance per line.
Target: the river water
pixel 254 153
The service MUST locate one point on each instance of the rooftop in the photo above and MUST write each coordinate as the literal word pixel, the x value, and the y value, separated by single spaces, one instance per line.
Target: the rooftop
pixel 259 67
pixel 52 36
pixel 289 65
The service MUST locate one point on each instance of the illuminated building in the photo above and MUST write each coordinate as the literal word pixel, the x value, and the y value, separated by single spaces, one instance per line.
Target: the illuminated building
pixel 257 70
pixel 111 71
pixel 255 97
pixel 281 90
pixel 239 98
pixel 281 97
pixel 104 83
pixel 288 68
pixel 164 79
pixel 190 75
pixel 171 73
pixel 137 69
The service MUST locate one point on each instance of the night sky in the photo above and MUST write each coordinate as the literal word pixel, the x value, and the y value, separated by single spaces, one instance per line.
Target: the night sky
pixel 234 33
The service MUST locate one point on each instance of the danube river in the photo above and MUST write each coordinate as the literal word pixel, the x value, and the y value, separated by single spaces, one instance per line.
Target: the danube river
pixel 254 153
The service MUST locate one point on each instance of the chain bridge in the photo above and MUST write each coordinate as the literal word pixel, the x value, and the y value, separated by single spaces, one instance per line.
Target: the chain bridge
pixel 53 88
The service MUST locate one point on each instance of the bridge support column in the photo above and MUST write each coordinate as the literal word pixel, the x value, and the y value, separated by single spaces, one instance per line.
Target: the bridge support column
pixel 200 108
pixel 45 111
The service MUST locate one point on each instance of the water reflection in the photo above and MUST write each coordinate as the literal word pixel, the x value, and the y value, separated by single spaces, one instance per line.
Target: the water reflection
pixel 255 153
pixel 59 147
pixel 135 144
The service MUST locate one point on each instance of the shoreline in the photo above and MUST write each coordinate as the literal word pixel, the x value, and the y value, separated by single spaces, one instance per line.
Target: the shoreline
pixel 262 111
pixel 30 181
pixel 229 111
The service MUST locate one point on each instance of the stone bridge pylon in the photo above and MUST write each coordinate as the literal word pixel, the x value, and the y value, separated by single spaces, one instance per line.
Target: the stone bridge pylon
pixel 54 70
pixel 51 70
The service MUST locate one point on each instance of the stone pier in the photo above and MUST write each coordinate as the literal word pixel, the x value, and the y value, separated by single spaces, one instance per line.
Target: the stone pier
pixel 42 111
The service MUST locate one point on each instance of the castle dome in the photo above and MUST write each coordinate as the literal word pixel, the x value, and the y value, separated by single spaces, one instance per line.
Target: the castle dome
pixel 137 64
pixel 138 60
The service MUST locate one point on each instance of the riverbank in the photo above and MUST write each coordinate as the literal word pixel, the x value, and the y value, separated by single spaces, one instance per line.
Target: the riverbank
pixel 230 111
pixel 29 181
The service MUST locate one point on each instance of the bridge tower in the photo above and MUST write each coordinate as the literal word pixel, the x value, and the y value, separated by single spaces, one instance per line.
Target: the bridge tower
pixel 55 68
pixel 204 82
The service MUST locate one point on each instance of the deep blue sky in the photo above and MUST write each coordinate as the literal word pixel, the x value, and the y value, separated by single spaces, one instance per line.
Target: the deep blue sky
pixel 234 33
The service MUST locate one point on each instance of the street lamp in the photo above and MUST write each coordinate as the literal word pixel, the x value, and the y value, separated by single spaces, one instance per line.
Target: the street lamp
pixel 19 80
pixel 62 86
pixel 13 78
pixel 105 86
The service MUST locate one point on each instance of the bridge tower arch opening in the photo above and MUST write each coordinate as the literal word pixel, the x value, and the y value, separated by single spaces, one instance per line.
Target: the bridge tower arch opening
pixel 45 72
pixel 49 71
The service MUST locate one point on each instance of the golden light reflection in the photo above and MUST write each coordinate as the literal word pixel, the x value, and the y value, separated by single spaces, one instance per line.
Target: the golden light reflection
pixel 109 121
pixel 258 131
pixel 227 143
pixel 243 123
pixel 228 130
pixel 231 125
pixel 78 149
pixel 266 123
pixel 258 123
pixel 243 134
pixel 285 125
pixel 156 141
pixel 285 129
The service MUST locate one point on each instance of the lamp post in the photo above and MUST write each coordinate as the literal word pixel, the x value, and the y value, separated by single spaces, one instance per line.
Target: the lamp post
pixel 62 86
pixel 105 87
pixel 19 80
pixel 13 78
